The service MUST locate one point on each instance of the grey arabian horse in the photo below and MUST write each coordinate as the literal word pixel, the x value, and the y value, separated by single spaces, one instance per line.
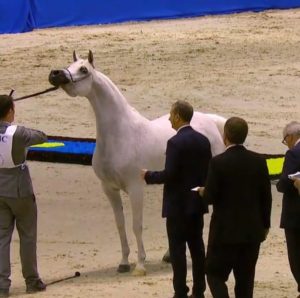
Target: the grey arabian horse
pixel 125 143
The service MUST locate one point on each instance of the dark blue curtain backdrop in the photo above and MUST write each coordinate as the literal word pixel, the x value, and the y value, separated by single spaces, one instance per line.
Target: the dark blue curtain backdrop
pixel 24 15
pixel 87 12
pixel 15 16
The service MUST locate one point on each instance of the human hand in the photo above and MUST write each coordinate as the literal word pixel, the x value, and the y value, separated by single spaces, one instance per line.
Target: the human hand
pixel 201 190
pixel 143 173
pixel 297 184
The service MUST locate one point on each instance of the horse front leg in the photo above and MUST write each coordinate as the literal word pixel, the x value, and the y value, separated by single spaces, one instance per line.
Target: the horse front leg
pixel 117 206
pixel 136 198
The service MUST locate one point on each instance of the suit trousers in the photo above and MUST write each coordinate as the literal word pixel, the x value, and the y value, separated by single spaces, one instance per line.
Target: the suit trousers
pixel 292 237
pixel 181 231
pixel 222 258
pixel 21 212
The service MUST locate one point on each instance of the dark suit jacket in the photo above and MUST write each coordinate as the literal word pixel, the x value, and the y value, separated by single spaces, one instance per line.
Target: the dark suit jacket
pixel 187 158
pixel 290 216
pixel 239 189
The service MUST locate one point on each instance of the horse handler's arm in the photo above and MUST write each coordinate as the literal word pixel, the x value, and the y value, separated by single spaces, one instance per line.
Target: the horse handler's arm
pixel 155 177
pixel 152 177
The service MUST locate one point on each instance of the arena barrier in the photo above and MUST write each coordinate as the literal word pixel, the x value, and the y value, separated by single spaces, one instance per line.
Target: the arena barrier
pixel 24 15
pixel 80 151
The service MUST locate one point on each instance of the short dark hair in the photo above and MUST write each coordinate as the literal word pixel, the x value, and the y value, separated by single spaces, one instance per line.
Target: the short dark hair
pixel 6 103
pixel 184 110
pixel 236 130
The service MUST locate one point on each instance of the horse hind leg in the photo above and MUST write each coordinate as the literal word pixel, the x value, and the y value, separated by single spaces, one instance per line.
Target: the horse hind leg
pixel 136 197
pixel 117 206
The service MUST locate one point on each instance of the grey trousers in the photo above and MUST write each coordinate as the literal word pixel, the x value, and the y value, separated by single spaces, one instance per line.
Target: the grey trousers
pixel 21 212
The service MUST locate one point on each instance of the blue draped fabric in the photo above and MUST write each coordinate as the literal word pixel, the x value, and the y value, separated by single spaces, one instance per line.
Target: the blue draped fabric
pixel 88 12
pixel 15 16
pixel 24 15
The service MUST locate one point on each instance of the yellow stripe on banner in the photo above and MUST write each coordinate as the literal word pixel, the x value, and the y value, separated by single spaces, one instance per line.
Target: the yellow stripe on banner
pixel 275 165
pixel 49 145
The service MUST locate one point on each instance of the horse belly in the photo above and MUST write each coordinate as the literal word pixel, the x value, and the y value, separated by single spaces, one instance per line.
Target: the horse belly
pixel 118 172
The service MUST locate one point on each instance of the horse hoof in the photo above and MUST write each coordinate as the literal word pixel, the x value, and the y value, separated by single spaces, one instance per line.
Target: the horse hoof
pixel 123 268
pixel 138 272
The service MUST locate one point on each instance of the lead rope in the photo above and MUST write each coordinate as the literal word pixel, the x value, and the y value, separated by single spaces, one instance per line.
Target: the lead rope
pixel 34 94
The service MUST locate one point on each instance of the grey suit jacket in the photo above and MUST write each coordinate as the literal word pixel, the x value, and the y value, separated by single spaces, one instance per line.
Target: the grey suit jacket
pixel 16 182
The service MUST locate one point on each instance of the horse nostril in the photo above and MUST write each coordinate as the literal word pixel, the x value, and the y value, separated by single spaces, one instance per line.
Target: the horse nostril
pixel 58 77
pixel 54 77
pixel 55 72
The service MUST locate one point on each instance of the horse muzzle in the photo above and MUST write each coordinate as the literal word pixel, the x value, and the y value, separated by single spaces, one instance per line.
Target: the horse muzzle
pixel 58 78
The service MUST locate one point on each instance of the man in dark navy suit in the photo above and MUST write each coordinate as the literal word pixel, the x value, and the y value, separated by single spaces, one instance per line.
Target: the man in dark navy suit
pixel 290 216
pixel 187 158
pixel 239 189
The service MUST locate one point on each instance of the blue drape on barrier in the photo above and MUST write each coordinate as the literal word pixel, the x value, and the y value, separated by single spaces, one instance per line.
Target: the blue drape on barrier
pixel 15 16
pixel 79 12
pixel 24 15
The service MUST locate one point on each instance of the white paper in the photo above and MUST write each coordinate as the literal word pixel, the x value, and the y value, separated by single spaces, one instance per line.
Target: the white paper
pixel 295 175
pixel 196 188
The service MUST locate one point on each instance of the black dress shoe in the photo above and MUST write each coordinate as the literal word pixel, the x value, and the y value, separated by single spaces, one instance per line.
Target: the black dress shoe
pixel 36 286
pixel 4 292
pixel 166 258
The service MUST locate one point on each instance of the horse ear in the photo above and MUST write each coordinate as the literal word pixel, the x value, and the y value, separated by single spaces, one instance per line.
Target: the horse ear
pixel 75 58
pixel 91 58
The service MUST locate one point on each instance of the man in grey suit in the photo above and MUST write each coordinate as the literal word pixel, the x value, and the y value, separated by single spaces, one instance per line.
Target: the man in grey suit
pixel 17 200
pixel 290 216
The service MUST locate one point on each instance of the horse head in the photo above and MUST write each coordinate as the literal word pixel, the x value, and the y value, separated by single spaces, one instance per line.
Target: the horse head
pixel 77 78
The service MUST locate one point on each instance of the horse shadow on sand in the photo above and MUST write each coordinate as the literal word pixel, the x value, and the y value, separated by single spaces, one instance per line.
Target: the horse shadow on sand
pixel 154 267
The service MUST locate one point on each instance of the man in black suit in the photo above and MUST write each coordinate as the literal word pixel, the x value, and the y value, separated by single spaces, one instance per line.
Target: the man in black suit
pixel 290 216
pixel 187 158
pixel 239 189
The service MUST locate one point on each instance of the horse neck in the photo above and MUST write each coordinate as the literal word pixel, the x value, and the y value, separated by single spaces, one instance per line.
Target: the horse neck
pixel 112 111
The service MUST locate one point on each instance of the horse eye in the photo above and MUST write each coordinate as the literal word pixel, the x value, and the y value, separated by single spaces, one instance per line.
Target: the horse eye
pixel 84 70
